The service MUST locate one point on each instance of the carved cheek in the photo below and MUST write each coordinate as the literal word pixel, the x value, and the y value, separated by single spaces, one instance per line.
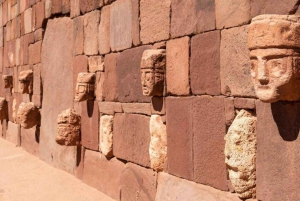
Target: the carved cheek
pixel 253 68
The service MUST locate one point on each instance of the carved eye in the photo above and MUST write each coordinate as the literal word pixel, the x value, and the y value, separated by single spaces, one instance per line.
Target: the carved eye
pixel 253 66
pixel 277 67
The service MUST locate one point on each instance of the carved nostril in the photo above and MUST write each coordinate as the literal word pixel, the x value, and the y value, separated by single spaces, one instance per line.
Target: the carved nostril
pixel 264 81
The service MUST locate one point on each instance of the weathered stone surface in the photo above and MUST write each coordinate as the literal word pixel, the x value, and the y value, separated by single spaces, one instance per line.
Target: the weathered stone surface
pixel 177 71
pixel 244 103
pixel 240 154
pixel 40 14
pixel 26 82
pixel 90 125
pixel 96 63
pixel 99 86
pixel 37 82
pixel 232 13
pixel 75 8
pixel 128 76
pixel 28 115
pixel 104 31
pixel 91 23
pixel 158 143
pixel 132 138
pixel 28 20
pixel 38 35
pixel 57 63
pixel 138 183
pixel 7 81
pixel 78 35
pixel 30 140
pixel 85 87
pixel 172 188
pixel 110 107
pixel 103 174
pixel 229 110
pixel 277 160
pixel 35 52
pixel 106 135
pixel 155 20
pixel 110 91
pixel 80 64
pixel 65 6
pixel 56 6
pixel 12 133
pixel 235 63
pixel 271 7
pixel 88 5
pixel 180 137
pixel 68 129
pixel 137 108
pixel 205 63
pixel 209 129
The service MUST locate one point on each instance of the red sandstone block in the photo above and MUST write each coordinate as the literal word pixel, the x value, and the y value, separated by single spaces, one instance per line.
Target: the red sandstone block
pixel 4 13
pixel 30 140
pixel 65 6
pixel 56 6
pixel 88 5
pixel 38 34
pixel 33 17
pixel 110 92
pixel 24 5
pixel 1 15
pixel 32 2
pixel 110 107
pixel 1 36
pixel 35 52
pixel 80 64
pixel 104 31
pixel 37 80
pixel 37 100
pixel 91 23
pixel 7 32
pixel 205 63
pixel 229 110
pixel 103 174
pixel 18 27
pixel 278 152
pixel 75 9
pixel 137 180
pixel 180 137
pixel 177 72
pixel 13 133
pixel 129 76
pixel 99 86
pixel 90 125
pixel 13 28
pixel 271 7
pixel 28 21
pixel 40 14
pixel 132 138
pixel 11 51
pixel 137 108
pixel 1 60
pixel 244 103
pixel 78 37
pixel 22 25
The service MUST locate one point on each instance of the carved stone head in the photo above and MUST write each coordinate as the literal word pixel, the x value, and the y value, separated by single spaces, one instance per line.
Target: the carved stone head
pixel 240 154
pixel 26 82
pixel 85 87
pixel 3 108
pixel 274 44
pixel 153 67
pixel 28 115
pixel 8 81
pixel 68 129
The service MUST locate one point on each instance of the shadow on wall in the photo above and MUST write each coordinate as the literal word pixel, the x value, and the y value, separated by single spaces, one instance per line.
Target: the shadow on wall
pixel 287 118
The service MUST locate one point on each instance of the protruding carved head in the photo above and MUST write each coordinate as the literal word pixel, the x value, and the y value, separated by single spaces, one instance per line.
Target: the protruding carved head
pixel 274 43
pixel 28 115
pixel 8 81
pixel 68 130
pixel 26 81
pixel 153 66
pixel 3 108
pixel 85 87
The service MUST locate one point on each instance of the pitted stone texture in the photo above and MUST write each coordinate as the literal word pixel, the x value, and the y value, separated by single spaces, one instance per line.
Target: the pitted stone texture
pixel 91 23
pixel 28 115
pixel 177 71
pixel 232 13
pixel 68 129
pixel 132 138
pixel 172 188
pixel 30 140
pixel 104 31
pixel 235 63
pixel 106 135
pixel 57 62
pixel 158 143
pixel 278 151
pixel 155 20
pixel 138 183
pixel 240 154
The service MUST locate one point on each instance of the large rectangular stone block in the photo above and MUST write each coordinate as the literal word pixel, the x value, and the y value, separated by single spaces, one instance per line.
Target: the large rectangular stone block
pixel 40 14
pixel 91 27
pixel 78 35
pixel 104 31
pixel 12 133
pixel 35 53
pixel 30 140
pixel 28 20
pixel 278 154
pixel 259 7
pixel 110 89
pixel 205 63
pixel 132 138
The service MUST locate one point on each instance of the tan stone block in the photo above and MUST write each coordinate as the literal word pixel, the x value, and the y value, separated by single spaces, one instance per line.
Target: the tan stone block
pixel 106 135
pixel 155 20
pixel 110 107
pixel 13 133
pixel 137 108
pixel 28 20
pixel 104 31
pixel 91 23
pixel 96 63
pixel 177 70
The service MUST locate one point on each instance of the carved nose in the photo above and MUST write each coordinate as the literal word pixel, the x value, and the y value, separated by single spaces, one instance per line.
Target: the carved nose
pixel 262 73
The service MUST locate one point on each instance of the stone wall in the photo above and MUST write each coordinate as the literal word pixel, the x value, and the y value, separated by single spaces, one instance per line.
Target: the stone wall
pixel 137 147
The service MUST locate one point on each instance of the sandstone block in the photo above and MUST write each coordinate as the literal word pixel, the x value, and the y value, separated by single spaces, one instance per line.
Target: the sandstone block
pixel 56 6
pixel 155 20
pixel 4 13
pixel 65 6
pixel 88 5
pixel 91 23
pixel 205 63
pixel 1 15
pixel 137 108
pixel 99 86
pixel 80 64
pixel 138 181
pixel 244 103
pixel 96 63
pixel 12 133
pixel 75 8
pixel 110 91
pixel 40 14
pixel 132 138
pixel 1 37
pixel 37 82
pixel 235 63
pixel 106 135
pixel 28 20
pixel 180 137
pixel 18 52
pixel 104 31
pixel 28 39
pixel 271 7
pixel 35 53
pixel 30 140
pixel 229 110
pixel 38 35
pixel 177 70
pixel 110 107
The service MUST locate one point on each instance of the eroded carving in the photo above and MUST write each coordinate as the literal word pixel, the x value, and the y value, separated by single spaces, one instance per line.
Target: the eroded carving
pixel 106 135
pixel 68 129
pixel 158 143
pixel 8 81
pixel 3 108
pixel 274 43
pixel 26 82
pixel 240 154
pixel 85 87
pixel 153 72
pixel 28 115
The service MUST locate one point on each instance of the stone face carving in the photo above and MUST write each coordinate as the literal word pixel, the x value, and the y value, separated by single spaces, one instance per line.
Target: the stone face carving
pixel 158 143
pixel 28 115
pixel 8 81
pixel 68 129
pixel 153 72
pixel 240 154
pixel 26 82
pixel 106 135
pixel 85 87
pixel 3 108
pixel 274 44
